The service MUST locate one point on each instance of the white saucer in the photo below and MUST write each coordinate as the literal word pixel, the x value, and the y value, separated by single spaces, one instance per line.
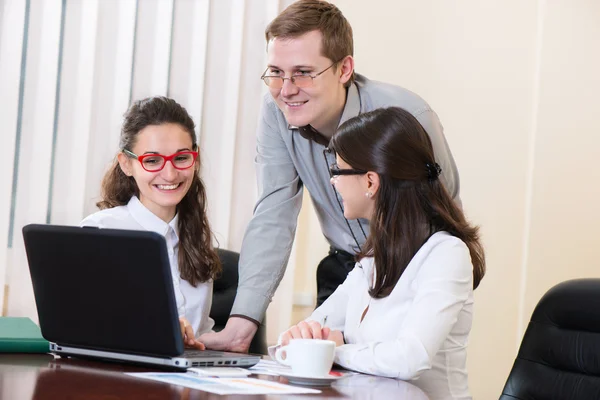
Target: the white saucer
pixel 310 380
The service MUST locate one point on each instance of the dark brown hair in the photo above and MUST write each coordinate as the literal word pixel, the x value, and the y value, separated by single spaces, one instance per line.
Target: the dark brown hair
pixel 198 261
pixel 409 206
pixel 305 16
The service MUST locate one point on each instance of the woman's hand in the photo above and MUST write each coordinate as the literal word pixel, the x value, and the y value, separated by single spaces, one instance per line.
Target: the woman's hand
pixel 335 336
pixel 304 330
pixel 187 334
pixel 311 330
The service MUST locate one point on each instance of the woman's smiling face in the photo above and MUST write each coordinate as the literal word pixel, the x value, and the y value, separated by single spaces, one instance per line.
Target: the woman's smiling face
pixel 161 191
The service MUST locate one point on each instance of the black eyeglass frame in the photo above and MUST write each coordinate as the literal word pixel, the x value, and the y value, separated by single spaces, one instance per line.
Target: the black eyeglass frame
pixel 358 247
pixel 335 171
pixel 293 78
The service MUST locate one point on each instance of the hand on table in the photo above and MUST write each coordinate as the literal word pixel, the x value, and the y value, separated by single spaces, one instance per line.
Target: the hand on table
pixel 236 336
pixel 187 334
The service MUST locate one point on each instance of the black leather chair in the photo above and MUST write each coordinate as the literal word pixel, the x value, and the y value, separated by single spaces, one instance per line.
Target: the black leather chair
pixel 559 356
pixel 224 291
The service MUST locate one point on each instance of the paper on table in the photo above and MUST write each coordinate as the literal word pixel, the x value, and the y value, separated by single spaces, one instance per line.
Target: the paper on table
pixel 220 372
pixel 272 350
pixel 223 385
pixel 267 367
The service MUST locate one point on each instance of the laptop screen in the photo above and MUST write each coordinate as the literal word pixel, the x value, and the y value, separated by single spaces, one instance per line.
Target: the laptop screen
pixel 103 289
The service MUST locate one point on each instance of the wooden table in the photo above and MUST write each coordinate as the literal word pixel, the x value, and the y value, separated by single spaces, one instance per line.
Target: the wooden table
pixel 42 376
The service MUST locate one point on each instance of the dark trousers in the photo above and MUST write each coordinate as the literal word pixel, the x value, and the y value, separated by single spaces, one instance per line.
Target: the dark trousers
pixel 331 272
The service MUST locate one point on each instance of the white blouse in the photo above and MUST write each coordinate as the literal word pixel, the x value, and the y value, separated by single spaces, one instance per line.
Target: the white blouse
pixel 193 303
pixel 420 331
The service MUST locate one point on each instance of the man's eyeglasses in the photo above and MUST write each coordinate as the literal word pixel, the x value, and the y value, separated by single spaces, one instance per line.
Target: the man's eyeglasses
pixel 156 162
pixel 301 81
pixel 334 171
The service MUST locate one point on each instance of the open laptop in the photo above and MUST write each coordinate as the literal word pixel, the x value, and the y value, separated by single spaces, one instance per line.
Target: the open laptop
pixel 108 294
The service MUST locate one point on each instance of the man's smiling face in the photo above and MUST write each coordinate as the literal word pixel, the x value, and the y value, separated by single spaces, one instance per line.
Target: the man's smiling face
pixel 318 104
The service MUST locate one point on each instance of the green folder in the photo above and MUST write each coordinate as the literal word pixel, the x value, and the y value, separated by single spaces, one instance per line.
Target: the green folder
pixel 21 335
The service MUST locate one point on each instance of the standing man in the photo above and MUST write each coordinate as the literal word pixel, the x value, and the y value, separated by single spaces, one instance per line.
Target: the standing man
pixel 313 89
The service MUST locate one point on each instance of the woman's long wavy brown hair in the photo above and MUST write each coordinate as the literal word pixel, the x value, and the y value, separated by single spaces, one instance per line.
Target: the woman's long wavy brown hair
pixel 409 206
pixel 198 261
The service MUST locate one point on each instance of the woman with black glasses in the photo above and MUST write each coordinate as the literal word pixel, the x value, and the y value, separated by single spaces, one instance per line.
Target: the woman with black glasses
pixel 154 184
pixel 406 311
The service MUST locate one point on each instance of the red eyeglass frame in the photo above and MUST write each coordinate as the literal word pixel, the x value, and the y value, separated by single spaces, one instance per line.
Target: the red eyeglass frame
pixel 166 158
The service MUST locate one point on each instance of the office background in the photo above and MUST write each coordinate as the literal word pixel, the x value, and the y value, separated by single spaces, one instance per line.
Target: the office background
pixel 515 84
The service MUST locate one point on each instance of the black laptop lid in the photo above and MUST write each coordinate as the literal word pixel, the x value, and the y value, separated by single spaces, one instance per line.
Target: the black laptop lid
pixel 103 289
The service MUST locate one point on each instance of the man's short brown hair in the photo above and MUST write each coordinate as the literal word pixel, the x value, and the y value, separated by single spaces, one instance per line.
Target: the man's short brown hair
pixel 305 16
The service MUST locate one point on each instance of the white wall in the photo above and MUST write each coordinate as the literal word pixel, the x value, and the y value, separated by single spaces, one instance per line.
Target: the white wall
pixel 565 187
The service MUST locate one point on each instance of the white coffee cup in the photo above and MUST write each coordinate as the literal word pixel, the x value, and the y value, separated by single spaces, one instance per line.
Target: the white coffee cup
pixel 308 357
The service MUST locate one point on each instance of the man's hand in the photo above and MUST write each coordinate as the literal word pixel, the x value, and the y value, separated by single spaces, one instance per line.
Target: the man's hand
pixel 236 336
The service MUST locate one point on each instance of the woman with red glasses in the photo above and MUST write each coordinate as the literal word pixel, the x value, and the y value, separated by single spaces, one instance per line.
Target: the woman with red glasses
pixel 154 184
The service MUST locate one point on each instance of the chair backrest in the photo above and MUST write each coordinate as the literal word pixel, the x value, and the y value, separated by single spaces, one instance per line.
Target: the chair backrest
pixel 559 356
pixel 224 291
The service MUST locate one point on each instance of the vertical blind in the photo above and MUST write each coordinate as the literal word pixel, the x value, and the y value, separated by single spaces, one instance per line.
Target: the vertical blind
pixel 69 69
